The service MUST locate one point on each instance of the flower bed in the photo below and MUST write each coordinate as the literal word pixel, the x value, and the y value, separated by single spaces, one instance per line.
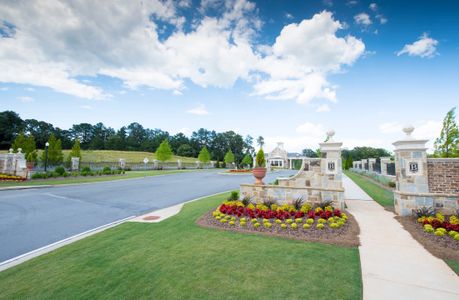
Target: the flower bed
pixel 307 222
pixel 5 177
pixel 441 226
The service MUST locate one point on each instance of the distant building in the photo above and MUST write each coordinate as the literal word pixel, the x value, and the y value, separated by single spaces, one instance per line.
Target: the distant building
pixel 280 158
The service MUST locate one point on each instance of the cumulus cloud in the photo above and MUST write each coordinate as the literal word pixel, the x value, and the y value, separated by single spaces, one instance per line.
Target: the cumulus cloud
pixel 382 19
pixel 127 40
pixel 373 6
pixel 199 110
pixel 423 47
pixel 362 19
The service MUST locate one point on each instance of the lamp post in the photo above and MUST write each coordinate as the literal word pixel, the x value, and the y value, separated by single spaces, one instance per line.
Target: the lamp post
pixel 46 155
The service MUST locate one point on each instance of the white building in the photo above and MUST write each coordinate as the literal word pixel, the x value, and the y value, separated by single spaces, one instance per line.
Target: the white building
pixel 280 158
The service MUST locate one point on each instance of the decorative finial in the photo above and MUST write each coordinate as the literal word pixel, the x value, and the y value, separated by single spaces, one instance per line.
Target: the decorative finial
pixel 330 135
pixel 408 130
pixel 11 150
pixel 19 150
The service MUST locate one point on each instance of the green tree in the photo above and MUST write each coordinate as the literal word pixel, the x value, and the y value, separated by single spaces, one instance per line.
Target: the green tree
pixel 260 141
pixel 229 157
pixel 260 159
pixel 247 160
pixel 164 151
pixel 55 155
pixel 447 145
pixel 75 152
pixel 185 150
pixel 28 146
pixel 204 155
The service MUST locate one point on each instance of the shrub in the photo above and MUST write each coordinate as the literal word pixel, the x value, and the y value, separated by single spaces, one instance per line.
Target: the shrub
pixel 283 226
pixel 60 170
pixel 39 175
pixel 269 201
pixel 260 159
pixel 294 226
pixel 320 226
pixel 233 196
pixel 306 226
pixel 246 200
pixel 391 184
pixel 232 223
pixel 107 170
pixel 256 225
pixel 310 221
pixel 424 212
pixel 298 203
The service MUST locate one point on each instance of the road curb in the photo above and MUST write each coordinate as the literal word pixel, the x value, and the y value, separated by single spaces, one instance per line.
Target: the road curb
pixel 25 187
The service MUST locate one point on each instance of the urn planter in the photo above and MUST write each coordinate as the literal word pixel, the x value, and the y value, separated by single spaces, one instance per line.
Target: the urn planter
pixel 259 173
pixel 30 165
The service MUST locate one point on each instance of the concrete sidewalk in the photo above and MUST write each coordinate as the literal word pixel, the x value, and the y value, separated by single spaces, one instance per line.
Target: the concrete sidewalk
pixel 394 265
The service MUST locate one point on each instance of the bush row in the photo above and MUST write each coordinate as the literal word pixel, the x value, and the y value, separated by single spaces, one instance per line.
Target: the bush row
pixel 86 171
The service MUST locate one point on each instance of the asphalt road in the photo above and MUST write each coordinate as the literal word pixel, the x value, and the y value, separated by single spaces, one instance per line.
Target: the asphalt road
pixel 33 218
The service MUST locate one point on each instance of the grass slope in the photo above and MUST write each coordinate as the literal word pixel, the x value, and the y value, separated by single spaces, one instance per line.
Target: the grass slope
pixel 115 155
pixel 453 265
pixel 379 194
pixel 176 259
pixel 74 180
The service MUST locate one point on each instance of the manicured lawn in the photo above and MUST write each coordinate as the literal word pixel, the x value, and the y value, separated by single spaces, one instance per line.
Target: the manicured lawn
pixel 379 194
pixel 69 180
pixel 176 259
pixel 453 265
pixel 96 156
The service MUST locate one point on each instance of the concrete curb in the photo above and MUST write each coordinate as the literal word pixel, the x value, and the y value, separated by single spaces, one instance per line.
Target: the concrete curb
pixel 48 248
pixel 25 187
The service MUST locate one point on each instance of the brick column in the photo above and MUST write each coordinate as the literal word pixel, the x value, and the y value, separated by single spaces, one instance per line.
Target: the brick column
pixel 411 174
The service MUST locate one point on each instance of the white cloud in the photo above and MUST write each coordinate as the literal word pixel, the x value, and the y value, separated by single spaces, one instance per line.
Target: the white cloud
pixel 302 57
pixel 423 47
pixel 26 99
pixel 289 16
pixel 323 108
pixel 373 6
pixel 362 19
pixel 4 89
pixel 88 107
pixel 30 89
pixel 218 50
pixel 382 19
pixel 177 93
pixel 352 3
pixel 199 110
pixel 185 130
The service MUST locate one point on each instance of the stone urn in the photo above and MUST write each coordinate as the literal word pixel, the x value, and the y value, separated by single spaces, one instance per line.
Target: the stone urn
pixel 259 173
pixel 30 165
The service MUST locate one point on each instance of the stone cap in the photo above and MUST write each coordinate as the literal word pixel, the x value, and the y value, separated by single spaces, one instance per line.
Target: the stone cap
pixel 409 143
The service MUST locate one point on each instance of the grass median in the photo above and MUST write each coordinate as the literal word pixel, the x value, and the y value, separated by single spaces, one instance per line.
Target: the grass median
pixel 176 259
pixel 88 179
pixel 383 196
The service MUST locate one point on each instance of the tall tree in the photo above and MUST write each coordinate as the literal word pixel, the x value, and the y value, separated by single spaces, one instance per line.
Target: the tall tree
pixel 309 153
pixel 247 160
pixel 260 141
pixel 10 125
pixel 204 155
pixel 447 145
pixel 185 150
pixel 75 152
pixel 164 152
pixel 26 143
pixel 55 155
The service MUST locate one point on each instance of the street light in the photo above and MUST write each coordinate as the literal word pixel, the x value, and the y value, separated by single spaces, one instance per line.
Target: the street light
pixel 46 155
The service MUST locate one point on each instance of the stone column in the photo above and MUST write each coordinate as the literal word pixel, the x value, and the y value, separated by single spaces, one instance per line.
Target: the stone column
pixel 212 164
pixel 411 174
pixel 179 164
pixel 122 163
pixel 155 164
pixel 197 164
pixel 76 164
pixel 371 161
pixel 331 165
pixel 384 162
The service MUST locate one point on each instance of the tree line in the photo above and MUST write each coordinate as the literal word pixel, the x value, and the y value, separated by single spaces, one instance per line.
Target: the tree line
pixel 133 137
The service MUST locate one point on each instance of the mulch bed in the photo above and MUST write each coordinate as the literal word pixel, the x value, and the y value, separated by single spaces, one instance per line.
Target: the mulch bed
pixel 347 235
pixel 443 247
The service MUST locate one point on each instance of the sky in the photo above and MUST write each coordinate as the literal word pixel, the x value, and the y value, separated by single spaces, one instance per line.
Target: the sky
pixel 286 70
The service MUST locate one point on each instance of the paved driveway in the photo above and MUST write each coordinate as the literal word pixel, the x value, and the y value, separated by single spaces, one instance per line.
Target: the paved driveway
pixel 30 219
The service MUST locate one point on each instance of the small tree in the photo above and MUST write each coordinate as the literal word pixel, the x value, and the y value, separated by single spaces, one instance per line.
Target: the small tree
pixel 229 157
pixel 260 159
pixel 204 155
pixel 260 141
pixel 247 160
pixel 26 143
pixel 55 155
pixel 447 145
pixel 164 151
pixel 75 152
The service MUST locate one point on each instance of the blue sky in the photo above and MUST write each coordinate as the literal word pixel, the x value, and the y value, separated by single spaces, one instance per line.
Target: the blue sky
pixel 286 70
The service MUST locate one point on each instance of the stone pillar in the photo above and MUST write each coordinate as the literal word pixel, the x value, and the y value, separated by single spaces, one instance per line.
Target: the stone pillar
pixel 197 164
pixel 155 164
pixel 384 162
pixel 371 161
pixel 212 164
pixel 331 165
pixel 20 166
pixel 9 164
pixel 411 174
pixel 179 164
pixel 76 164
pixel 122 163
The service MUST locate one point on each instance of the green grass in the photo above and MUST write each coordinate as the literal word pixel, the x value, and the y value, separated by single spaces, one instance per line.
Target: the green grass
pixel 176 259
pixel 379 194
pixel 74 180
pixel 453 265
pixel 96 156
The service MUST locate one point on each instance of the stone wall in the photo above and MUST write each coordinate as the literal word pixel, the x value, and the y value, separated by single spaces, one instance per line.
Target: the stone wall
pixel 443 175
